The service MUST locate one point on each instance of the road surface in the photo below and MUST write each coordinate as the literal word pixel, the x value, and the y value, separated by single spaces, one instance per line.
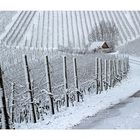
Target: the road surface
pixel 125 115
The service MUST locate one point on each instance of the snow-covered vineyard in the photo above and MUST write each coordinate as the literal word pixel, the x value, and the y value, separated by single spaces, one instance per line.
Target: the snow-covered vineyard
pixel 39 82
pixel 52 29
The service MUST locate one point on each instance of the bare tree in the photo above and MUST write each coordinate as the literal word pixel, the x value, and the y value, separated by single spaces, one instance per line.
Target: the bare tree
pixel 105 31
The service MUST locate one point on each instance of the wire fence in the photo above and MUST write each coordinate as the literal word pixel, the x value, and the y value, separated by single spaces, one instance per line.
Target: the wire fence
pixel 33 89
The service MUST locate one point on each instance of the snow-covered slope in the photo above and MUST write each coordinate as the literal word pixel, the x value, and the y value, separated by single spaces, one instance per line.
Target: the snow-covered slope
pixel 131 48
pixel 51 29
pixel 5 19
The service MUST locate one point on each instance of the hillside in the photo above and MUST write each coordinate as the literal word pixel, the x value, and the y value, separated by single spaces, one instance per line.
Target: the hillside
pixel 52 29
pixel 131 48
pixel 5 19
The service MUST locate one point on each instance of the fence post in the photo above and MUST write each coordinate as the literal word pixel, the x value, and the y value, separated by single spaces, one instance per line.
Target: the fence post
pixel 101 75
pixel 97 75
pixel 109 73
pixel 113 73
pixel 122 68
pixel 115 66
pixel 127 63
pixel 119 69
pixel 29 85
pixel 126 68
pixel 5 117
pixel 76 78
pixel 106 74
pixel 49 85
pixel 12 108
pixel 65 80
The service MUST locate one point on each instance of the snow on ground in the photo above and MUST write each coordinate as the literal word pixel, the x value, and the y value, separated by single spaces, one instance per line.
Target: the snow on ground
pixel 92 104
pixel 125 115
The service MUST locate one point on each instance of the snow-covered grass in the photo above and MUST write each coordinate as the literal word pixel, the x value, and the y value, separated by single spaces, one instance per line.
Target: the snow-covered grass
pixel 92 104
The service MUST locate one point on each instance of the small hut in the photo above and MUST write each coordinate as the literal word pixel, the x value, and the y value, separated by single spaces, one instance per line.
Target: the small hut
pixel 100 46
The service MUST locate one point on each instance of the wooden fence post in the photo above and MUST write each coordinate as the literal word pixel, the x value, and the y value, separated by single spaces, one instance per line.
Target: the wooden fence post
pixel 106 74
pixel 76 78
pixel 113 73
pixel 29 85
pixel 5 117
pixel 97 75
pixel 122 68
pixel 101 75
pixel 65 80
pixel 119 69
pixel 49 85
pixel 115 66
pixel 109 73
pixel 12 104
pixel 128 63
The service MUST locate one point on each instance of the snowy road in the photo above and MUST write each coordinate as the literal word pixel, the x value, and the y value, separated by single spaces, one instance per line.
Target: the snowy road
pixel 125 115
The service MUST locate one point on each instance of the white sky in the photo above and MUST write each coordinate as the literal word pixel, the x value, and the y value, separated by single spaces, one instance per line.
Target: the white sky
pixel 69 4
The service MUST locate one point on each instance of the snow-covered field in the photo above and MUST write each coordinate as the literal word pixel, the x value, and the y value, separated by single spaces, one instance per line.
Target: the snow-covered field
pixel 92 103
pixel 52 29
